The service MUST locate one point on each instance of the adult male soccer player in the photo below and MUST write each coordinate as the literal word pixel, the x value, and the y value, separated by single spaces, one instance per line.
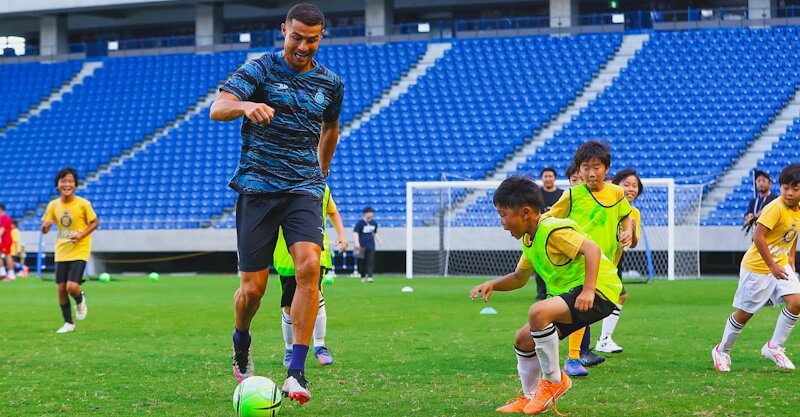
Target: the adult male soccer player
pixel 290 128
pixel 582 281
pixel 76 220
pixel 767 273
pixel 282 261
pixel 602 210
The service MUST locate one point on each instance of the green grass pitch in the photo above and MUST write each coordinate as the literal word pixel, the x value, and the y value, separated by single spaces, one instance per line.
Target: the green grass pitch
pixel 163 349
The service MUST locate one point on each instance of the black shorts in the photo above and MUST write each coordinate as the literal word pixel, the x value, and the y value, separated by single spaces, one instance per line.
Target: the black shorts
pixel 258 217
pixel 71 271
pixel 601 309
pixel 289 285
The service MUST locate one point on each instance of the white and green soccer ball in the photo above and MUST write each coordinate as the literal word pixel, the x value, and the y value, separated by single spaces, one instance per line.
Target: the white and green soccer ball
pixel 104 277
pixel 153 276
pixel 257 396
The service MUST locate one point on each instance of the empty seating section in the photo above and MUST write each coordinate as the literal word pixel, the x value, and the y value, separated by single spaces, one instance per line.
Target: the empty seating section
pixel 178 182
pixel 125 101
pixel 25 85
pixel 730 212
pixel 474 108
pixel 368 70
pixel 688 105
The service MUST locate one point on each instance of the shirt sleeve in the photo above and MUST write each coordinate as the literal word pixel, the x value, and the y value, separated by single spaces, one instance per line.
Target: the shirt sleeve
pixel 246 79
pixel 524 264
pixel 770 216
pixel 334 108
pixel 563 206
pixel 358 226
pixel 49 216
pixel 565 242
pixel 331 206
pixel 624 204
pixel 89 212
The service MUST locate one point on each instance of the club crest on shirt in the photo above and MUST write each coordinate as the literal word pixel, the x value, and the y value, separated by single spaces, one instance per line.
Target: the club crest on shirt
pixel 319 97
pixel 790 234
pixel 65 220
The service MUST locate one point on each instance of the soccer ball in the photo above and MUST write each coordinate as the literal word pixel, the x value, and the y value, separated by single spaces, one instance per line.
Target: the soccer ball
pixel 153 277
pixel 257 396
pixel 104 277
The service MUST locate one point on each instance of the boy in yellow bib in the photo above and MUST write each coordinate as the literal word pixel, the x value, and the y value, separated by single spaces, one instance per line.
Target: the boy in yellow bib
pixel 582 282
pixel 767 274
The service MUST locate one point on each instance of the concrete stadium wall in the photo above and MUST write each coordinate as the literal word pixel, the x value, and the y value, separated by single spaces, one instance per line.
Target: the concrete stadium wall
pixel 712 239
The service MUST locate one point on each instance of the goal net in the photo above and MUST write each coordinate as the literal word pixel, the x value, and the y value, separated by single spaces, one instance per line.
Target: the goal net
pixel 452 229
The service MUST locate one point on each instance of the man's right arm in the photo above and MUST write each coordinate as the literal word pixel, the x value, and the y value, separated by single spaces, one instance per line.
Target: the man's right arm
pixel 227 107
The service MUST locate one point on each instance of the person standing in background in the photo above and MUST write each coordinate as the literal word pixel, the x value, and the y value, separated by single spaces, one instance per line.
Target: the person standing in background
pixel 366 237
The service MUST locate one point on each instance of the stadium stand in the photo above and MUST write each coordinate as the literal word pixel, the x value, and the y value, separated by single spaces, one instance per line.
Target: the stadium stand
pixel 31 84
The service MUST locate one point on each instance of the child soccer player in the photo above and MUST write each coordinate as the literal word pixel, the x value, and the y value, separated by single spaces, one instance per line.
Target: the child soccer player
pixel 602 210
pixel 767 273
pixel 630 182
pixel 18 251
pixel 75 220
pixel 574 175
pixel 582 281
pixel 285 267
pixel 7 266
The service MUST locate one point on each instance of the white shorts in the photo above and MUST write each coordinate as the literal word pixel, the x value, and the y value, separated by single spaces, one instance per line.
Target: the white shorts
pixel 756 289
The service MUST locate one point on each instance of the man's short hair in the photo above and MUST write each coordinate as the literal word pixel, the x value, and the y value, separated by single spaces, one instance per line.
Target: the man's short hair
pixel 790 175
pixel 367 209
pixel 592 150
pixel 307 14
pixel 518 191
pixel 760 173
pixel 625 173
pixel 548 169
pixel 64 172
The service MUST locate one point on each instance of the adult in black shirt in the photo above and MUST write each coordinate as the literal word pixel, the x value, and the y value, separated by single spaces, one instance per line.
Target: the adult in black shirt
pixel 765 196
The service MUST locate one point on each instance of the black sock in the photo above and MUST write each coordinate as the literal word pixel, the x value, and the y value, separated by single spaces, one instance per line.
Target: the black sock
pixel 79 298
pixel 241 339
pixel 66 312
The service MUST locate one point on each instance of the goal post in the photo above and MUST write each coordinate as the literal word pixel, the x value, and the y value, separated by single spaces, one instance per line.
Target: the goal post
pixel 452 229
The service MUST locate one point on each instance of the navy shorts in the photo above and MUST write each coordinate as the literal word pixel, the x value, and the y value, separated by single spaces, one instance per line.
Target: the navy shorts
pixel 601 309
pixel 71 271
pixel 258 217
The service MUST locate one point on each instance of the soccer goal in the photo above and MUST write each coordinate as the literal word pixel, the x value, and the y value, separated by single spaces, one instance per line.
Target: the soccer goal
pixel 452 229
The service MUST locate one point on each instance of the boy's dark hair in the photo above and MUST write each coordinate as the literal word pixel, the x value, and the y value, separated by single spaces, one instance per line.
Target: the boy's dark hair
pixel 625 173
pixel 307 14
pixel 2 207
pixel 760 173
pixel 571 170
pixel 548 169
pixel 367 209
pixel 518 191
pixel 790 175
pixel 592 150
pixel 15 223
pixel 64 172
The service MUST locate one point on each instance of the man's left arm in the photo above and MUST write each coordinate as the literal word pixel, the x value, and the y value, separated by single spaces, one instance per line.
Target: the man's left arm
pixel 327 145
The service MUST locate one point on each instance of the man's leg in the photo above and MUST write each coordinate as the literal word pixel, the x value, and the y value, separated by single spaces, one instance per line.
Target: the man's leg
pixel 246 302
pixel 370 259
pixel 288 285
pixel 305 306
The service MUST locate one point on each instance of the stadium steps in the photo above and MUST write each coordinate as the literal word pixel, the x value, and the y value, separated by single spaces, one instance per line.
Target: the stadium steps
pixel 630 45
pixel 755 152
pixel 86 71
pixel 435 52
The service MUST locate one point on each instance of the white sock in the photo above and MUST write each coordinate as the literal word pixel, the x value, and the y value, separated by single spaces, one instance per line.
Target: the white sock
pixel 547 350
pixel 529 370
pixel 783 328
pixel 12 274
pixel 321 325
pixel 732 330
pixel 3 271
pixel 610 322
pixel 286 326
